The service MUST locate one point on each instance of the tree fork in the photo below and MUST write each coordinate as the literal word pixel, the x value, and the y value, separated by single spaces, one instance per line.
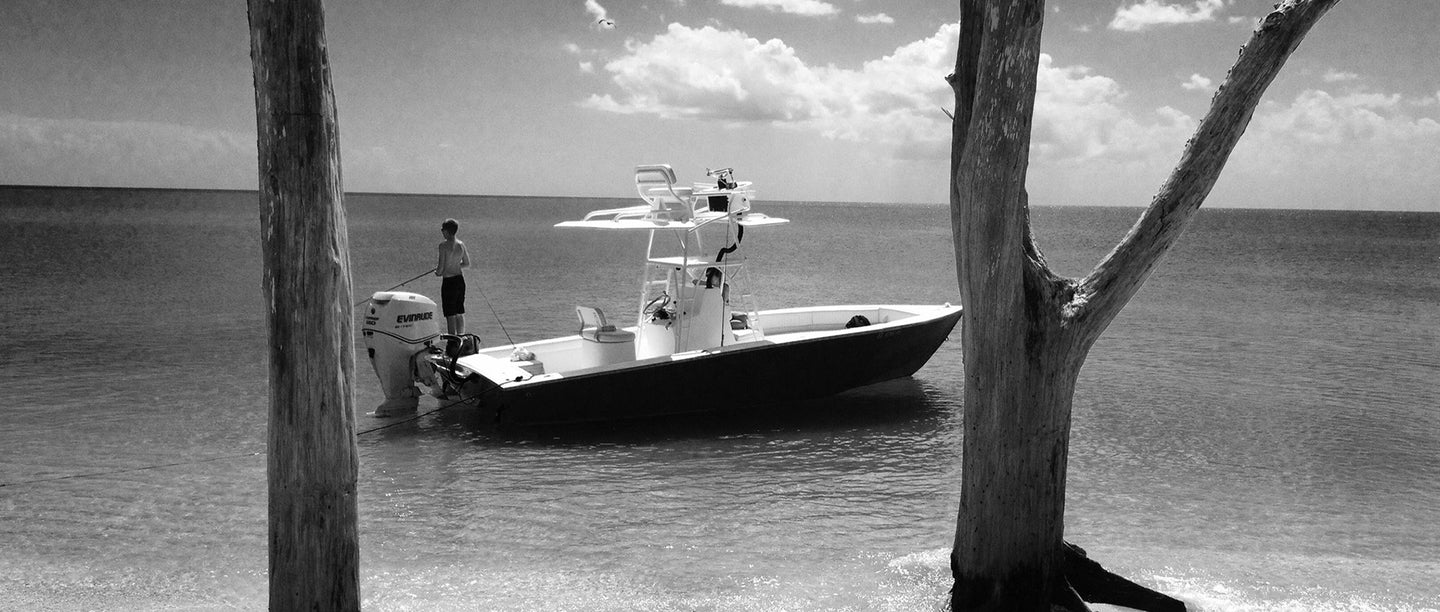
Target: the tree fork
pixel 313 462
pixel 1027 331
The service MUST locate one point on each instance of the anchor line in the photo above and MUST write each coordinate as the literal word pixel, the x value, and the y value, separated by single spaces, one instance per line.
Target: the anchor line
pixel 127 470
pixel 428 413
pixel 241 456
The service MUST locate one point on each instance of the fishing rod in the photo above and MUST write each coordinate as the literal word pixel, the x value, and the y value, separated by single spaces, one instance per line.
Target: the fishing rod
pixel 477 288
pixel 417 277
pixel 497 315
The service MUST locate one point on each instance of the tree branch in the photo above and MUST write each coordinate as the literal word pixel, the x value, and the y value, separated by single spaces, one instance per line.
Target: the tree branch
pixel 1115 280
pixel 962 81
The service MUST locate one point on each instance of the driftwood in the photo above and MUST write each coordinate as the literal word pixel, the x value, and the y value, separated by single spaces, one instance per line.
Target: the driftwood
pixel 313 461
pixel 1027 330
pixel 1096 584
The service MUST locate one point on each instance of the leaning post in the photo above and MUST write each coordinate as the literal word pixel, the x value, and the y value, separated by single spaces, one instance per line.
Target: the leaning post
pixel 313 460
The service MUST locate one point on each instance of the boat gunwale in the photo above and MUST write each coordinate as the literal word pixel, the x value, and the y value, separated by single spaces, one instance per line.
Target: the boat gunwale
pixel 922 314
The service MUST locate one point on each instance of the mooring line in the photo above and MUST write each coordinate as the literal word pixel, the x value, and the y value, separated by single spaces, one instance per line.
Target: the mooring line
pixel 424 414
pixel 126 470
pixel 227 457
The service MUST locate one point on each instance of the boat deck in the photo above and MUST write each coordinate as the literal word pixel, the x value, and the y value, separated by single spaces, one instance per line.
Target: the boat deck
pixel 574 354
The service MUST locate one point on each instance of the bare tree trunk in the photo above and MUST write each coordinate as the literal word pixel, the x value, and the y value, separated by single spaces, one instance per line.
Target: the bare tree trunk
pixel 1027 331
pixel 313 461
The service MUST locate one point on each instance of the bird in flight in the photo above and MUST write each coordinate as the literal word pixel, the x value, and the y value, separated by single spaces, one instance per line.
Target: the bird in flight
pixel 602 20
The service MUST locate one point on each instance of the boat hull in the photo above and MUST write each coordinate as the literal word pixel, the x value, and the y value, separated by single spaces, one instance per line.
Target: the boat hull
pixel 801 366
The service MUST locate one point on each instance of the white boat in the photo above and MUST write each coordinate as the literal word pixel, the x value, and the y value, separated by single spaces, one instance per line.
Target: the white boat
pixel 699 342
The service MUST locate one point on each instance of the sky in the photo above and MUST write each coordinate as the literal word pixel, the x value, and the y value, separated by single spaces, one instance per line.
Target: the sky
pixel 813 100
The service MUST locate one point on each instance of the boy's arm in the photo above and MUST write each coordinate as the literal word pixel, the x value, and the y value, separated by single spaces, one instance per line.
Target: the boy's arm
pixel 464 256
pixel 440 259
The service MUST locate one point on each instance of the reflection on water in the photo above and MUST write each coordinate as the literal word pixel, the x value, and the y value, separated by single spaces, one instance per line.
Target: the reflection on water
pixel 722 511
pixel 1255 432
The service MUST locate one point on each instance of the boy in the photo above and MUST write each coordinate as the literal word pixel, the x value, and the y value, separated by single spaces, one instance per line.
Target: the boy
pixel 453 259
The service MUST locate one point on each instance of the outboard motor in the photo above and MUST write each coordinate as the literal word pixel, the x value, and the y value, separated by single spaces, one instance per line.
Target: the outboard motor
pixel 398 326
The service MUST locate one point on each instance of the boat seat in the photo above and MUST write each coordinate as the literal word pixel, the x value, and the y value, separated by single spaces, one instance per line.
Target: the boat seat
pixel 656 185
pixel 595 328
pixel 592 317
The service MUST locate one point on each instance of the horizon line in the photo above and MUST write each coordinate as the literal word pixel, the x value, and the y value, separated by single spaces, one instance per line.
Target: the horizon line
pixel 8 186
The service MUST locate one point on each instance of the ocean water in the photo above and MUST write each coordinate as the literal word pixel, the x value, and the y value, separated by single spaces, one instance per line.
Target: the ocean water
pixel 1259 430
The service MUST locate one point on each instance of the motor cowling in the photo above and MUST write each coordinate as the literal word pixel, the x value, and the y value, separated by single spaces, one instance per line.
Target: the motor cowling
pixel 398 326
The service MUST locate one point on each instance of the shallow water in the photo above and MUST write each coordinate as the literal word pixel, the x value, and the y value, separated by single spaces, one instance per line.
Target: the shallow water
pixel 1257 431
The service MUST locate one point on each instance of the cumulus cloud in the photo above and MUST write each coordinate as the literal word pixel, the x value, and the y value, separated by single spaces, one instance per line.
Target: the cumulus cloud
pixel 587 66
pixel 1080 116
pixel 893 102
pixel 877 18
pixel 709 73
pixel 1384 150
pixel 1197 83
pixel 808 8
pixel 1152 13
pixel 1320 118
pixel 727 75
pixel 1084 124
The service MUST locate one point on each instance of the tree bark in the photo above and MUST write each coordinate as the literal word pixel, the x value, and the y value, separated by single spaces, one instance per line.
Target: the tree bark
pixel 313 461
pixel 1027 331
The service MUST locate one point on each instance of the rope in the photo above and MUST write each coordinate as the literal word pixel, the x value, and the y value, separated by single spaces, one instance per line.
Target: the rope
pixel 424 414
pixel 227 457
pixel 126 470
